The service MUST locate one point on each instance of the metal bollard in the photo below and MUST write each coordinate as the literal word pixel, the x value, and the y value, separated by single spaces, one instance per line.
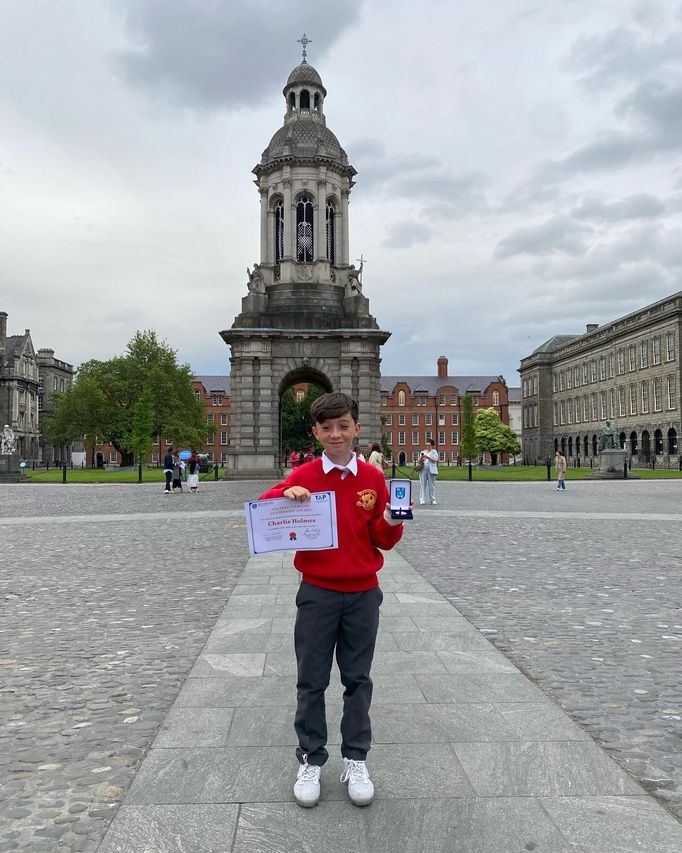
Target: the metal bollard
pixel 393 470
pixel 64 473
pixel 139 472
pixel 625 469
pixel 215 472
pixel 549 470
pixel 470 470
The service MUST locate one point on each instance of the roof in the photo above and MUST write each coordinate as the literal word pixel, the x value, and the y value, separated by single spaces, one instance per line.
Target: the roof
pixel 15 345
pixel 304 73
pixel 555 343
pixel 305 137
pixel 431 384
pixel 514 394
pixel 220 384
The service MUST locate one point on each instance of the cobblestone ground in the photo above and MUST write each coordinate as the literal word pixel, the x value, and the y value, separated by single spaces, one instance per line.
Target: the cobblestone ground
pixel 590 608
pixel 103 615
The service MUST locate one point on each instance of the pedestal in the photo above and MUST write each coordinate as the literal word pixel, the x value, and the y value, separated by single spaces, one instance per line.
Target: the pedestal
pixel 10 472
pixel 611 463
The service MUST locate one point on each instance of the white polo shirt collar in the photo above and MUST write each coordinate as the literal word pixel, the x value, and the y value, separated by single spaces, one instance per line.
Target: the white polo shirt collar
pixel 351 467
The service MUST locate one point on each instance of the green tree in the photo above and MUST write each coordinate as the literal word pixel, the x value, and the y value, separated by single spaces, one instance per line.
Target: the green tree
pixel 296 422
pixel 141 438
pixel 385 446
pixel 101 404
pixel 494 436
pixel 468 443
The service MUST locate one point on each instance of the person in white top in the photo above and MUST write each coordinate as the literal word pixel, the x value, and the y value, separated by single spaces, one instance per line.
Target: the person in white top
pixel 376 457
pixel 427 474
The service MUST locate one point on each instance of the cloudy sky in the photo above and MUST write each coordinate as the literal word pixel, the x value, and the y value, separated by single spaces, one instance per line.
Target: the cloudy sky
pixel 519 166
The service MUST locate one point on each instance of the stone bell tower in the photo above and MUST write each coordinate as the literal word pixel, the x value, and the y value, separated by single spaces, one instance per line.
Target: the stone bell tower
pixel 305 317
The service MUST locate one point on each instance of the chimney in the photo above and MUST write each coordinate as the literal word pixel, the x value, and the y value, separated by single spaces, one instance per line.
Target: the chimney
pixel 3 327
pixel 442 367
pixel 592 326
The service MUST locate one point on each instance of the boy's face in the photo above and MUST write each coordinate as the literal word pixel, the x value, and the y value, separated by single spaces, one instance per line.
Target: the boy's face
pixel 336 435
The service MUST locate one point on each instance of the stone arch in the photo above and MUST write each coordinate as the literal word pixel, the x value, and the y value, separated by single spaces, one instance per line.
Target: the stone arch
pixel 295 376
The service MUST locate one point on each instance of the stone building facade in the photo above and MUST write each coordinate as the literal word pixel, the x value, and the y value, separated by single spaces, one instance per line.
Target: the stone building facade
pixel 627 372
pixel 415 409
pixel 305 318
pixel 53 376
pixel 19 389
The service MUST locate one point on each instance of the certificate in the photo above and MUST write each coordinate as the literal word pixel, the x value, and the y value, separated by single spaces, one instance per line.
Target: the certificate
pixel 281 524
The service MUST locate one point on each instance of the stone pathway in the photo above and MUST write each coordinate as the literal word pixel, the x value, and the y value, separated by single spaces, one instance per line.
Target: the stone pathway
pixel 469 755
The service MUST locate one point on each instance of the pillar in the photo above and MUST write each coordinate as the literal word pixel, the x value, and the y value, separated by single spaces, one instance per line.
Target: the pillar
pixel 289 219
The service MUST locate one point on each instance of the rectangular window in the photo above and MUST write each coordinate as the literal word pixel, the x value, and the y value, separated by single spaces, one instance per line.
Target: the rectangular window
pixel 454 419
pixel 223 437
pixel 415 436
pixel 415 455
pixel 423 400
pixel 562 412
pixel 586 408
pixel 428 420
pixel 602 405
pixel 223 420
pixel 643 354
pixel 620 355
pixel 454 437
pixel 113 457
pixel 611 373
pixel 633 400
pixel 156 439
pixel 209 456
pixel 602 368
pixel 584 372
pixel 209 439
pixel 657 395
pixel 384 400
pixel 593 371
pixel 672 395
pixel 389 420
pixel 525 418
pixel 595 415
pixel 441 399
pixel 556 414
pixel 631 358
pixel 656 351
pixel 569 379
pixel 496 398
pixel 670 346
pixel 223 457
pixel 525 388
pixel 441 456
pixel 621 402
pixel 428 435
pixel 415 420
pixel 577 410
pixel 576 376
pixel 612 401
pixel 453 399
pixel 561 380
pixel 535 415
pixel 441 419
pixel 401 438
pixel 401 420
pixel 197 394
pixel 454 455
pixel 569 411
pixel 554 382
pixel 475 401
pixel 155 458
pixel 645 397
pixel 389 438
pixel 217 399
pixel 209 418
pixel 441 437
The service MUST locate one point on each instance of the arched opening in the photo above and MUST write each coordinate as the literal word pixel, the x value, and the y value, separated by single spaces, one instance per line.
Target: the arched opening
pixel 563 445
pixel 279 231
pixel 401 398
pixel 658 442
pixel 646 446
pixel 292 101
pixel 99 459
pixel 294 412
pixel 577 445
pixel 633 443
pixel 586 445
pixel 570 447
pixel 401 458
pixel 594 445
pixel 331 236
pixel 672 441
pixel 556 444
pixel 621 440
pixel 304 99
pixel 316 101
pixel 304 229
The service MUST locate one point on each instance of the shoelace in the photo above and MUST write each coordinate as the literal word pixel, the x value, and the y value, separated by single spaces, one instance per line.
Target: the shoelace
pixel 309 773
pixel 356 771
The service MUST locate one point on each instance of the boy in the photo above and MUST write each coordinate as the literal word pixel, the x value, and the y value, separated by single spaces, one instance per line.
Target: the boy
pixel 339 598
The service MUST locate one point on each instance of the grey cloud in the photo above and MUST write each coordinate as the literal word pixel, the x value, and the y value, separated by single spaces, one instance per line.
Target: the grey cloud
pixel 659 108
pixel 560 234
pixel 221 55
pixel 637 206
pixel 403 235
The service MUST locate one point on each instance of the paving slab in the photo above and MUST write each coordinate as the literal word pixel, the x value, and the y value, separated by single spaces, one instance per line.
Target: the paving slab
pixel 468 754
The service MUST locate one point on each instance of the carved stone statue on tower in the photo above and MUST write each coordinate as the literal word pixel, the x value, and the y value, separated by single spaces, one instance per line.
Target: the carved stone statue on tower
pixel 8 441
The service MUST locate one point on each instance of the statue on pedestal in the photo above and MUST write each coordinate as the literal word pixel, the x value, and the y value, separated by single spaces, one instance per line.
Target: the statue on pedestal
pixel 8 441
pixel 256 281
pixel 607 438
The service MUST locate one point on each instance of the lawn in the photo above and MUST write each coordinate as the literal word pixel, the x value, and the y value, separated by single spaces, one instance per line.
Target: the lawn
pixel 101 475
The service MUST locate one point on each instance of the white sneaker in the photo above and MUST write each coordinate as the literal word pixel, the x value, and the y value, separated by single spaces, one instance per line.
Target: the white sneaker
pixel 307 785
pixel 360 787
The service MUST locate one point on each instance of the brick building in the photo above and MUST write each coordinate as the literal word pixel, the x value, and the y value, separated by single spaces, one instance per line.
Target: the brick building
pixel 415 409
pixel 626 371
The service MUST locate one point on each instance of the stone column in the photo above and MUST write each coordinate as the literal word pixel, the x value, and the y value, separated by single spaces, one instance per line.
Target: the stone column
pixel 345 249
pixel 289 222
pixel 321 252
pixel 264 254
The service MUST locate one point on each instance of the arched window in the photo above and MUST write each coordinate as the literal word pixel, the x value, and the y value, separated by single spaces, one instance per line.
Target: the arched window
pixel 304 99
pixel 586 445
pixel 621 440
pixel 577 445
pixel 672 442
pixel 658 442
pixel 633 443
pixel 279 231
pixel 316 101
pixel 401 459
pixel 594 445
pixel 563 446
pixel 331 239
pixel 570 447
pixel 646 445
pixel 292 101
pixel 304 229
pixel 556 444
pixel 401 398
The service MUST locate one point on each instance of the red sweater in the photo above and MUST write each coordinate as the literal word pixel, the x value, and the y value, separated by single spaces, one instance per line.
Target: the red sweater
pixel 360 504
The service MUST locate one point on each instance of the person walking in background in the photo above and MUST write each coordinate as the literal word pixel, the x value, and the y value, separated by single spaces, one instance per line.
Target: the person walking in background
pixel 376 457
pixel 168 464
pixel 178 466
pixel 427 473
pixel 193 478
pixel 294 459
pixel 560 465
pixel 309 455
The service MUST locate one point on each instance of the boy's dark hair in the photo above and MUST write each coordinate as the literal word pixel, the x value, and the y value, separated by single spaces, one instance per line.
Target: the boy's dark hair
pixel 333 405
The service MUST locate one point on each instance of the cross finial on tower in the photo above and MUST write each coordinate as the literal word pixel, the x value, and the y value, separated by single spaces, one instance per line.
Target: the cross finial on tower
pixel 304 41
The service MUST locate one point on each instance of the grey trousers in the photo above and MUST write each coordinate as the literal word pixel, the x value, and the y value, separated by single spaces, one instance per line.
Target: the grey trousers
pixel 348 622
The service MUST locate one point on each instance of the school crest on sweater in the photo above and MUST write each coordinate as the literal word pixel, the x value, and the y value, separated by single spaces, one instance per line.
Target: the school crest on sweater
pixel 368 498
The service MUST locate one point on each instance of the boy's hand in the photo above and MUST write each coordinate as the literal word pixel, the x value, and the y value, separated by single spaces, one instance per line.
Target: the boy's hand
pixel 297 493
pixel 393 522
